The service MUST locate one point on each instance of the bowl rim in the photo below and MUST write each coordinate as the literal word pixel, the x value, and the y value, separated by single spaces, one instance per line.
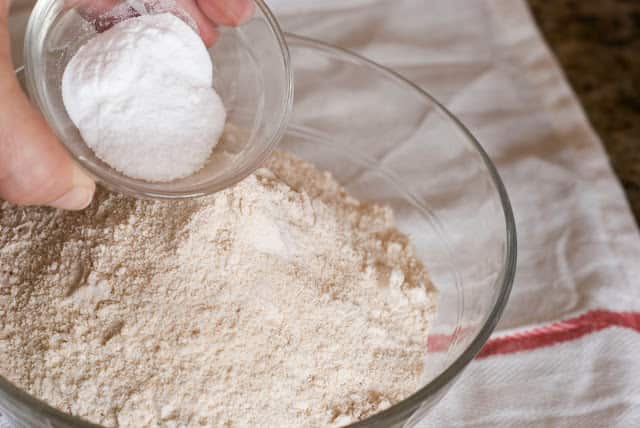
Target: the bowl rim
pixel 140 188
pixel 402 410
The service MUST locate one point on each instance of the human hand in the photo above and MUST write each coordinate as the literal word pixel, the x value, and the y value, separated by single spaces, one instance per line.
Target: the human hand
pixel 207 14
pixel 35 169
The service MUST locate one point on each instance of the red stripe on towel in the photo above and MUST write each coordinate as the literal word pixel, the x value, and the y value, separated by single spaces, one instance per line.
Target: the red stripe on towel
pixel 559 332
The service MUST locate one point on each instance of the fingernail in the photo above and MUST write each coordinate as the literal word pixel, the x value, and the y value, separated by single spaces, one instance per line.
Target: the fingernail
pixel 77 198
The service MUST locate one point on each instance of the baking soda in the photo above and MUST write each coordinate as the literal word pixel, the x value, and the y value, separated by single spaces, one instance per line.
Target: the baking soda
pixel 141 96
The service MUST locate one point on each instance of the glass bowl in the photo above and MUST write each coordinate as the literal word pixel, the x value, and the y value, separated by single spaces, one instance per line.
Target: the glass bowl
pixel 389 142
pixel 252 74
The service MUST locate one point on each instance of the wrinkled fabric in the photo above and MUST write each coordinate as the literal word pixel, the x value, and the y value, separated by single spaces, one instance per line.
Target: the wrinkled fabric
pixel 579 247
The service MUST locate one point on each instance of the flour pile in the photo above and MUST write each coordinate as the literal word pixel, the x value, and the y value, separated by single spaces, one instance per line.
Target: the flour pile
pixel 281 302
pixel 141 95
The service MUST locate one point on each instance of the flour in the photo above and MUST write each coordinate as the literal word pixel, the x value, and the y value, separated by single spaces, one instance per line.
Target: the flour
pixel 141 95
pixel 281 302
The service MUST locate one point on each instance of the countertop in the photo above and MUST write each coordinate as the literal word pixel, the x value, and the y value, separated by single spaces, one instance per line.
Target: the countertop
pixel 598 45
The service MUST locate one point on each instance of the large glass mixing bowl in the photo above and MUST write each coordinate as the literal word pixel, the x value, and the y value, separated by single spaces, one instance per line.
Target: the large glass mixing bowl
pixel 389 142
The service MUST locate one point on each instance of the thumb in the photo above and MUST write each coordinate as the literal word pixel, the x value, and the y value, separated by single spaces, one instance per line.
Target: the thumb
pixel 34 167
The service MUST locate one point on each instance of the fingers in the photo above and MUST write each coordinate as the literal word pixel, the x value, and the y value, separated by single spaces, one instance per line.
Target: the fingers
pixel 97 11
pixel 34 167
pixel 227 12
pixel 206 27
pixel 106 20
pixel 90 9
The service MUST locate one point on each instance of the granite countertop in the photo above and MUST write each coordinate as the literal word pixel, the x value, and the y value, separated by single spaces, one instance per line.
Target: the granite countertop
pixel 598 44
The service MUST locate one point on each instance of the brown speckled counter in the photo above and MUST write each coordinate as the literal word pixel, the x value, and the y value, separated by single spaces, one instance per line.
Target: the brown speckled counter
pixel 598 44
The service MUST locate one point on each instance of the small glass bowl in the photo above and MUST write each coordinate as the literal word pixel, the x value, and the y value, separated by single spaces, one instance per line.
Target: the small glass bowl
pixel 252 74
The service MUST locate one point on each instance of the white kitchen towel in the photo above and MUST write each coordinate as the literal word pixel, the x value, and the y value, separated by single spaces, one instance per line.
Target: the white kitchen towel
pixel 486 61
pixel 564 354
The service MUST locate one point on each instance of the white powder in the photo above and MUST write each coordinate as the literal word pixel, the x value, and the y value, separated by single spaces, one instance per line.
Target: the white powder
pixel 281 302
pixel 141 95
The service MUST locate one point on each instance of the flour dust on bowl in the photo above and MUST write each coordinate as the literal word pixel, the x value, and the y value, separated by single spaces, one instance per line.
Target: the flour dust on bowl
pixel 251 73
pixel 399 149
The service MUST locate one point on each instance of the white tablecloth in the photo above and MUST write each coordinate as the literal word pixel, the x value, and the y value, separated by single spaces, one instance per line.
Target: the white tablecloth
pixel 565 352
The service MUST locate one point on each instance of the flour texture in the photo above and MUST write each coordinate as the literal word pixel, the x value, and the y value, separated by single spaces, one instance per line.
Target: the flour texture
pixel 280 302
pixel 141 95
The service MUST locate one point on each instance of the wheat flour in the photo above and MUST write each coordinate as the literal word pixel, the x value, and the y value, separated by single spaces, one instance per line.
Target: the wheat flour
pixel 281 302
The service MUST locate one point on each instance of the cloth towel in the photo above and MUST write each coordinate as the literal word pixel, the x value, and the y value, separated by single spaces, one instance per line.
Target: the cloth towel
pixel 565 351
